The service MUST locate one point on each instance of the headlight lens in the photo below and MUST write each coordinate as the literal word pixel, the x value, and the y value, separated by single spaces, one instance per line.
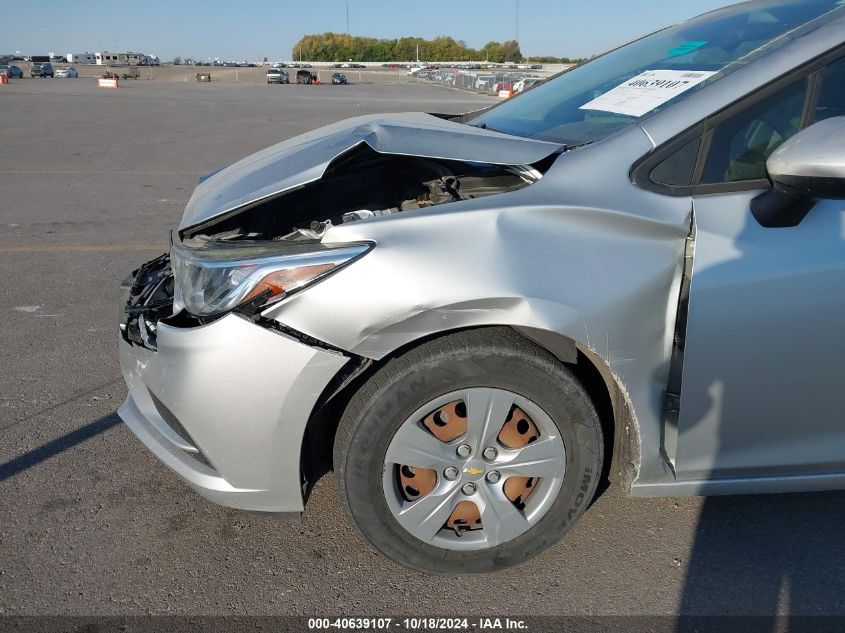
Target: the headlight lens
pixel 212 281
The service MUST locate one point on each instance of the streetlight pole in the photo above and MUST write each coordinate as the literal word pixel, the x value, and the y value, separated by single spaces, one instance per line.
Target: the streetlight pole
pixel 347 17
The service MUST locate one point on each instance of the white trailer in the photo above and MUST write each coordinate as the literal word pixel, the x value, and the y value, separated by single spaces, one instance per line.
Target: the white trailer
pixel 108 58
pixel 81 58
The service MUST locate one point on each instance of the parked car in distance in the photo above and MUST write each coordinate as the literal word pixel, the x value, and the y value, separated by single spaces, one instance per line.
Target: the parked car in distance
pixel 633 272
pixel 339 79
pixel 528 82
pixel 68 72
pixel 485 82
pixel 13 72
pixel 306 77
pixel 277 76
pixel 43 69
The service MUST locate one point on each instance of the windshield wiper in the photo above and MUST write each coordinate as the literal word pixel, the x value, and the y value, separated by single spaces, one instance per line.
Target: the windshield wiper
pixel 569 148
pixel 484 126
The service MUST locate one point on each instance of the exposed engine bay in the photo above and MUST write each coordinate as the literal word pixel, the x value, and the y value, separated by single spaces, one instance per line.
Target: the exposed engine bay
pixel 358 185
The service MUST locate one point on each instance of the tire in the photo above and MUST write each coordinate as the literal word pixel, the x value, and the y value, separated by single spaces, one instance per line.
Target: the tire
pixel 497 358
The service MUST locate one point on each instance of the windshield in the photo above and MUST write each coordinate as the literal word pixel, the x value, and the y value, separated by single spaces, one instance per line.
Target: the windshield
pixel 623 86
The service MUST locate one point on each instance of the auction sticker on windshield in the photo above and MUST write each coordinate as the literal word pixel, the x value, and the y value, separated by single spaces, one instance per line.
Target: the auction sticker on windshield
pixel 647 91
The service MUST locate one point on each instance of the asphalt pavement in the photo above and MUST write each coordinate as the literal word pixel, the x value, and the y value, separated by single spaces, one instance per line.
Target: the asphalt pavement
pixel 91 181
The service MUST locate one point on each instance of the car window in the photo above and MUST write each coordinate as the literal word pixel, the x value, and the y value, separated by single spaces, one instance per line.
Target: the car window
pixel 741 145
pixel 831 100
pixel 677 170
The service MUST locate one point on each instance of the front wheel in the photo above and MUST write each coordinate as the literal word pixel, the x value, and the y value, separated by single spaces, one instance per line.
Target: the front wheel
pixel 470 453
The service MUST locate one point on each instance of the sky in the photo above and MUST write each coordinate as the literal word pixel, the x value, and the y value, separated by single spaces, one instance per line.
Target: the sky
pixel 231 30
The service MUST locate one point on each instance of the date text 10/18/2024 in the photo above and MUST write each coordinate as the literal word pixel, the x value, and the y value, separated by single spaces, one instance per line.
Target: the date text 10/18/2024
pixel 417 624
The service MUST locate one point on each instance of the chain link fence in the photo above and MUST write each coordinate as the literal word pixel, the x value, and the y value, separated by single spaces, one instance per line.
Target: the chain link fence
pixel 487 81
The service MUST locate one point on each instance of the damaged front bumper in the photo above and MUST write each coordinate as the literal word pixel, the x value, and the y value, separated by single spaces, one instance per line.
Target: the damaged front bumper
pixel 225 405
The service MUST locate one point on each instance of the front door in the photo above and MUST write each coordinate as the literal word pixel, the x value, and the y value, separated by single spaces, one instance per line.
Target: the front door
pixel 763 389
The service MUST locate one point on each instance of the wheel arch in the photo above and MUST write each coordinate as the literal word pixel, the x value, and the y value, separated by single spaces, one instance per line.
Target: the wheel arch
pixel 609 396
pixel 616 414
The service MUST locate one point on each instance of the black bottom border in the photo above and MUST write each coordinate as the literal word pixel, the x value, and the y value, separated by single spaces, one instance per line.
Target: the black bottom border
pixel 419 624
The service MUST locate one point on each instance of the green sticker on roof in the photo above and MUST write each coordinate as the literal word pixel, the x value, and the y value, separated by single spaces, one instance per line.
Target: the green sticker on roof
pixel 687 47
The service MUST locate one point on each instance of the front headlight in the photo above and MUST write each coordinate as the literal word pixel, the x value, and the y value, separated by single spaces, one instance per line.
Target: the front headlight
pixel 211 281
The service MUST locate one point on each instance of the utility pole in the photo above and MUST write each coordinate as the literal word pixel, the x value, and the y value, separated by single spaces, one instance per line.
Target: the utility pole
pixel 347 17
pixel 517 21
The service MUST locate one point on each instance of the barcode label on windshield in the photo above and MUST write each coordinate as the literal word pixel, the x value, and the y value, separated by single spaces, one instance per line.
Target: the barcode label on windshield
pixel 647 91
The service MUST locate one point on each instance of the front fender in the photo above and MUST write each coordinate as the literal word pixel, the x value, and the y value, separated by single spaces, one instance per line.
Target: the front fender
pixel 600 266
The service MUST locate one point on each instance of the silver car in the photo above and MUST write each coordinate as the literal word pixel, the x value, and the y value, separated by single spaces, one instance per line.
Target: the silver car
pixel 277 76
pixel 633 272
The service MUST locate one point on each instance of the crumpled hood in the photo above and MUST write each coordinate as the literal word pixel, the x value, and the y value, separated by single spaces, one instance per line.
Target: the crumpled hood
pixel 304 158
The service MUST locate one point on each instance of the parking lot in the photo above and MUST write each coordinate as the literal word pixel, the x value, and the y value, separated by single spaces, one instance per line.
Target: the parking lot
pixel 257 75
pixel 91 523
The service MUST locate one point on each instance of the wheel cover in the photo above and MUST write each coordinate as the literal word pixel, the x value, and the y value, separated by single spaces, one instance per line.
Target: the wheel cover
pixel 468 508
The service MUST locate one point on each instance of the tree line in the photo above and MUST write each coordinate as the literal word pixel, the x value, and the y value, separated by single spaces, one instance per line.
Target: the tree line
pixel 339 47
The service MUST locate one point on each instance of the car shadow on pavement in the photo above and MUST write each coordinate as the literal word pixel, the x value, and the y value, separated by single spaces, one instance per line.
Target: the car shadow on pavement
pixel 767 554
pixel 780 557
pixel 59 445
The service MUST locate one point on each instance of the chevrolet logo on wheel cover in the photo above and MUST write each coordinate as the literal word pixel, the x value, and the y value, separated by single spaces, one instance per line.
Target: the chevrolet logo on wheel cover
pixel 473 471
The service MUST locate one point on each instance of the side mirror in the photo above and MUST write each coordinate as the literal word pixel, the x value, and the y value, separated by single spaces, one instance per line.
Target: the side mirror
pixel 808 167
